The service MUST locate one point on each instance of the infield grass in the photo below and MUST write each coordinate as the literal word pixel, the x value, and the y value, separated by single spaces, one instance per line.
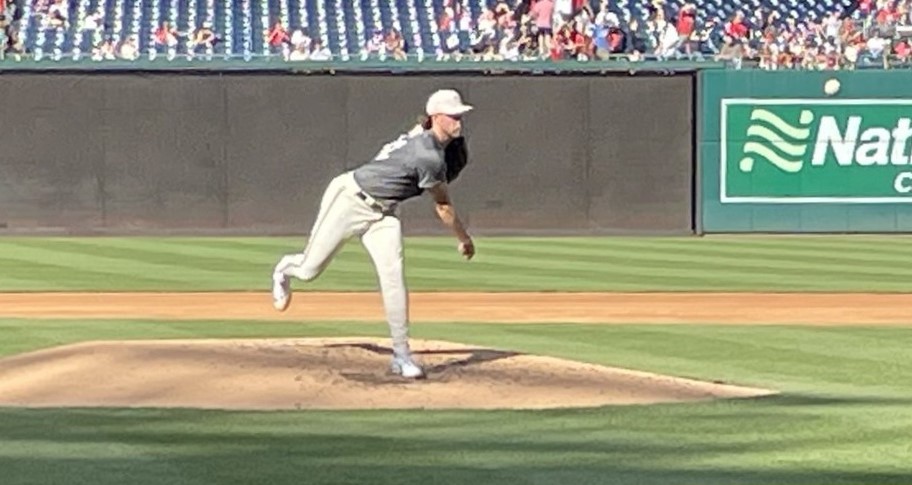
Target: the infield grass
pixel 844 415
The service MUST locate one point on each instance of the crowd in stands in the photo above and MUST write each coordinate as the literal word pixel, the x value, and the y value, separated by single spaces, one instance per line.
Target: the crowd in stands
pixel 868 33
pixel 852 34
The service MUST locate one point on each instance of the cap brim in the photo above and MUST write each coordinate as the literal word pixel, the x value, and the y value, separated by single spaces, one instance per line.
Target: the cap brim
pixel 458 110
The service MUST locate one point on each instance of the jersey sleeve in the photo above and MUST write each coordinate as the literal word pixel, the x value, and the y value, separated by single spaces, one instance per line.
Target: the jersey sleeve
pixel 431 171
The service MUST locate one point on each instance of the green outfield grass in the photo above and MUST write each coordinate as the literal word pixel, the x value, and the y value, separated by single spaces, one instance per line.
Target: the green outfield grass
pixel 732 263
pixel 844 415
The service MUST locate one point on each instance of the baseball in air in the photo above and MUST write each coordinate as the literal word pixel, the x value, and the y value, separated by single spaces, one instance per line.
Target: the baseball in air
pixel 831 87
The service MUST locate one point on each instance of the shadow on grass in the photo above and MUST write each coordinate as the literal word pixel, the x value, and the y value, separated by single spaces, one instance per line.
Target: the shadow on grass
pixel 605 446
pixel 796 400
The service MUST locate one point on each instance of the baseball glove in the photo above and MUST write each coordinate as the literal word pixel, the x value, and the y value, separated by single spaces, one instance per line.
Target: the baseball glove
pixel 456 156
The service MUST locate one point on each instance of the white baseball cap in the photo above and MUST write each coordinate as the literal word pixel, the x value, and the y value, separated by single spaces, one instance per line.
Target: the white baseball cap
pixel 446 102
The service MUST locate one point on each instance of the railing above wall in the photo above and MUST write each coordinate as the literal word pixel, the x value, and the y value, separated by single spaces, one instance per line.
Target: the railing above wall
pixel 273 63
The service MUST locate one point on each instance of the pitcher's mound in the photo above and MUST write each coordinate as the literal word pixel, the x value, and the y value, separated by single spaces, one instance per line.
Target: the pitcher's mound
pixel 349 373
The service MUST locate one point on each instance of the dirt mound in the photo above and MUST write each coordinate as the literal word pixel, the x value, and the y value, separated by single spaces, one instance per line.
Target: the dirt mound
pixel 350 373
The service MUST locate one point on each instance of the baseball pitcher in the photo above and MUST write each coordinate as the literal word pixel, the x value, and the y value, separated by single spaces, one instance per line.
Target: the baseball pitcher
pixel 364 203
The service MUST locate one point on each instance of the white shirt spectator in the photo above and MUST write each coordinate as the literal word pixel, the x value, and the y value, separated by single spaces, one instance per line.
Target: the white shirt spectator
pixel 61 9
pixel 465 22
pixel 299 54
pixel 320 53
pixel 562 9
pixel 299 38
pixel 504 48
pixel 669 40
pixel 485 24
pixel 876 45
pixel 129 50
pixel 93 22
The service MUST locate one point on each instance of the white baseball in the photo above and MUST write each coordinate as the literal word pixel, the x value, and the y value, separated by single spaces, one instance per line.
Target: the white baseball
pixel 831 87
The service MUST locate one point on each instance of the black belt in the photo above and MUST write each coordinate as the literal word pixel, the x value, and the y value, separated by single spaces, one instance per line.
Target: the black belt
pixel 370 201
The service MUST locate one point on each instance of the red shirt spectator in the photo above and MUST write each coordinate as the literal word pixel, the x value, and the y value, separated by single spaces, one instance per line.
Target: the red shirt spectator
pixel 736 28
pixel 686 20
pixel 580 43
pixel 278 35
pixel 615 40
pixel 560 43
pixel 446 20
pixel 902 50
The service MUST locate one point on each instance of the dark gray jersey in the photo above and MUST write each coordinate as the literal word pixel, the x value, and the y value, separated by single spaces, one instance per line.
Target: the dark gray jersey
pixel 403 168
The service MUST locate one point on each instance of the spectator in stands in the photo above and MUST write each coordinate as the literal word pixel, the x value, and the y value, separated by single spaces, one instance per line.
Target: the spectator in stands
pixel 166 37
pixel 731 52
pixel 686 26
pixel 58 15
pixel 301 52
pixel 448 32
pixel 203 37
pixel 484 38
pixel 375 46
pixel 320 52
pixel 736 28
pixel 4 40
pixel 300 40
pixel 11 43
pixel 93 23
pixel 528 42
pixel 503 17
pixel 104 50
pixel 395 45
pixel 638 40
pixel 543 13
pixel 129 49
pixel 509 46
pixel 278 40
pixel 563 12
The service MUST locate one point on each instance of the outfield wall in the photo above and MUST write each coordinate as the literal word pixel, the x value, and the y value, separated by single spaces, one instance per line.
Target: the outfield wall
pixel 252 152
pixel 778 154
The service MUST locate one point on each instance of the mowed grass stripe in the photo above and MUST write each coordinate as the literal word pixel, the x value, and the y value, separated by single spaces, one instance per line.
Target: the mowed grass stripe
pixel 802 353
pixel 120 264
pixel 74 276
pixel 652 253
pixel 159 256
pixel 653 266
pixel 583 274
pixel 796 252
pixel 432 264
pixel 848 254
pixel 713 262
pixel 808 245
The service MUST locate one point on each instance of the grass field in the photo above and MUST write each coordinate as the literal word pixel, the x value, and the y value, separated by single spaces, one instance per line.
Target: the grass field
pixel 812 263
pixel 844 415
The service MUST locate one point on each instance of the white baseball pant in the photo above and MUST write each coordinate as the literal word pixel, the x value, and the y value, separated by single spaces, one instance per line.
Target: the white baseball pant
pixel 343 215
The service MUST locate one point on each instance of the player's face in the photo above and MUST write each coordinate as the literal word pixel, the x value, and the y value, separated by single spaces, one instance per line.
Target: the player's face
pixel 451 125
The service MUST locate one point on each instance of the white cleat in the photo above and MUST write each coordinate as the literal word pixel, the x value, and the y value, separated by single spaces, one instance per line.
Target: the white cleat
pixel 281 292
pixel 407 368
